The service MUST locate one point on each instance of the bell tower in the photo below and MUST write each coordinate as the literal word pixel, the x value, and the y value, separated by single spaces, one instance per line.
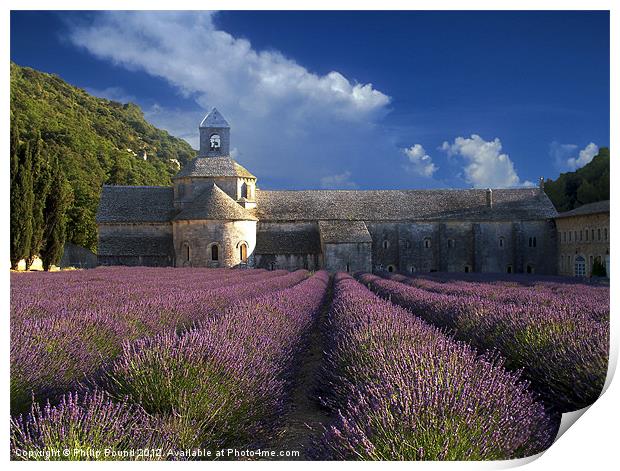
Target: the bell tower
pixel 214 135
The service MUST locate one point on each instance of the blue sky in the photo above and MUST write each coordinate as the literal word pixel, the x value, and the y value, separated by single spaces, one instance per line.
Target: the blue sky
pixel 352 99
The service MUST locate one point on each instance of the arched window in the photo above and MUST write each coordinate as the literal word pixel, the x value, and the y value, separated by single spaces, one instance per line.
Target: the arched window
pixel 580 266
pixel 412 269
pixel 214 142
pixel 391 268
pixel 509 269
pixel 529 269
pixel 215 253
pixel 386 244
pixel 244 190
pixel 587 232
pixel 427 243
pixel 186 254
pixel 243 252
pixel 501 242
pixel 466 268
pixel 592 235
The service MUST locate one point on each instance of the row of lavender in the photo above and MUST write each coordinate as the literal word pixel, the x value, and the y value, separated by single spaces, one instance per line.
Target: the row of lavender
pixel 573 298
pixel 563 352
pixel 221 383
pixel 67 326
pixel 403 390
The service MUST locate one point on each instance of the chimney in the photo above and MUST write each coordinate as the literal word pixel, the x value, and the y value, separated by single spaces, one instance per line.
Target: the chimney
pixel 541 185
pixel 489 198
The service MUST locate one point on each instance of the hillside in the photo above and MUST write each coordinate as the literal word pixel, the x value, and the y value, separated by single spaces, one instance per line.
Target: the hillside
pixel 98 142
pixel 585 185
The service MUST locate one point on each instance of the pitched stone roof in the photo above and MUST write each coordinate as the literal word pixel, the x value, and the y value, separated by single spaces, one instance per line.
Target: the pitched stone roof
pixel 591 208
pixel 214 120
pixel 213 167
pixel 135 204
pixel 405 205
pixel 299 240
pixel 343 232
pixel 214 204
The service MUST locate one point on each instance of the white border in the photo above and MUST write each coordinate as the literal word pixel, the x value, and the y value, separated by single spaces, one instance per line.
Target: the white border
pixel 590 444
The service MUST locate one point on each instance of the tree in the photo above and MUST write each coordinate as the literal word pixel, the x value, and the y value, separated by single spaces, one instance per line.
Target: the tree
pixel 56 205
pixel 22 199
pixel 41 187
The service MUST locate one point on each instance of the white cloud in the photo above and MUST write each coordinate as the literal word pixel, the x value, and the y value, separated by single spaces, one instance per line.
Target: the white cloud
pixel 112 93
pixel 566 156
pixel 287 122
pixel 485 164
pixel 419 162
pixel 585 157
pixel 338 182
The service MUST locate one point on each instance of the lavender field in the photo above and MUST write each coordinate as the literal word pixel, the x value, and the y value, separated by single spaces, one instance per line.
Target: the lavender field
pixel 177 364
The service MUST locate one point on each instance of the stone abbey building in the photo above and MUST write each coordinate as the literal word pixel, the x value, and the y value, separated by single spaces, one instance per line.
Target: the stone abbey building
pixel 214 215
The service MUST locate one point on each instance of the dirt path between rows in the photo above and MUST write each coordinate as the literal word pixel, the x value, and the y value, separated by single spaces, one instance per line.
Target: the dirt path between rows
pixel 305 418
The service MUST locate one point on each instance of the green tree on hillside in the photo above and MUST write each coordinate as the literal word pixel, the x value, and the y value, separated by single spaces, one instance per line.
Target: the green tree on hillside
pixel 57 202
pixel 41 188
pixel 588 184
pixel 22 199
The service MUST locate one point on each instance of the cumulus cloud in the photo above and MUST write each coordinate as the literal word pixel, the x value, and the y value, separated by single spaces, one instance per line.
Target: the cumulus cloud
pixel 485 164
pixel 419 162
pixel 567 156
pixel 585 157
pixel 341 181
pixel 285 119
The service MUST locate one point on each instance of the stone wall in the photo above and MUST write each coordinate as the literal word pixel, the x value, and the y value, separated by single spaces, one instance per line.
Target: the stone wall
pixel 199 236
pixel 579 236
pixel 348 257
pixel 291 261
pixel 137 244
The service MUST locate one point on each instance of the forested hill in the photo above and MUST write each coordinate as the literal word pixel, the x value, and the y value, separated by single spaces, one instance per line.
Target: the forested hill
pixel 588 184
pixel 97 141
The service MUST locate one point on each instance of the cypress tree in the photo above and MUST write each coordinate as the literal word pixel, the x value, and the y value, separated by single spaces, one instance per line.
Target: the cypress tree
pixel 56 205
pixel 22 199
pixel 41 187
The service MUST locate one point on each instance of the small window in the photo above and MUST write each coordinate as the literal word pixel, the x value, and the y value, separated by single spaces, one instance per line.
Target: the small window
pixel 214 142
pixel 243 252
pixel 529 269
pixel 580 266
pixel 564 236
pixel 272 266
pixel 451 243
pixel 501 242
pixel 391 268
pixel 509 269
pixel 386 244
pixel 532 242
pixel 412 269
pixel 592 235
pixel 599 234
pixel 427 243
pixel 580 236
pixel 570 235
pixel 215 253
pixel 587 232
pixel 466 269
pixel 348 268
pixel 605 231
pixel 244 190
pixel 186 250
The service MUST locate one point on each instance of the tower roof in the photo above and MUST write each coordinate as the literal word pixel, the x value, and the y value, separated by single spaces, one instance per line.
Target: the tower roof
pixel 214 120
pixel 214 204
pixel 213 167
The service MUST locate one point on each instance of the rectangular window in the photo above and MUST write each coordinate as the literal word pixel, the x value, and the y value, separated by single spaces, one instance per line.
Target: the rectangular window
pixel 599 234
pixel 586 235
pixel 580 235
pixel 570 236
pixel 564 236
